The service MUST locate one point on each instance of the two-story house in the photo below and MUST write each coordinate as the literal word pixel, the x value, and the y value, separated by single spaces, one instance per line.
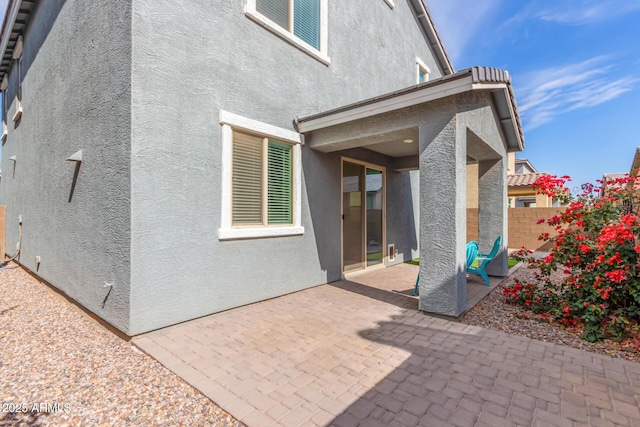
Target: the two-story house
pixel 164 160
pixel 522 193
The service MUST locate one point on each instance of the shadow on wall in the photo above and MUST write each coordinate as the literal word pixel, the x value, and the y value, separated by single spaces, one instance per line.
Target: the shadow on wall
pixel 37 36
pixel 402 223
pixel 321 180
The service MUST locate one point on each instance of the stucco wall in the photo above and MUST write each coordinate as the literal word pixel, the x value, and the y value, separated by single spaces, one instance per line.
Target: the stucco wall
pixel 192 59
pixel 76 95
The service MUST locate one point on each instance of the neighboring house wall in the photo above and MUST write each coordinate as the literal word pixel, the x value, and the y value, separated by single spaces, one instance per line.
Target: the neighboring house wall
pixel 523 197
pixel 190 62
pixel 511 168
pixel 76 66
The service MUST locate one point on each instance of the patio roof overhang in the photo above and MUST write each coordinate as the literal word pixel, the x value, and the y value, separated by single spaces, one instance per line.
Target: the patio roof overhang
pixel 495 81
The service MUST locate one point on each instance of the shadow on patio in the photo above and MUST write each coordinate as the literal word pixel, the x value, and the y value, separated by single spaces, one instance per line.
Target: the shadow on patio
pixel 394 285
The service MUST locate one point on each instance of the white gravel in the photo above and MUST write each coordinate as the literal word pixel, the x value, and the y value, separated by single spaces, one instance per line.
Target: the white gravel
pixel 493 313
pixel 60 367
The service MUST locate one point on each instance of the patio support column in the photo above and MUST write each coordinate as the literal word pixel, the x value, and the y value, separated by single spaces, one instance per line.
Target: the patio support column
pixel 443 216
pixel 492 212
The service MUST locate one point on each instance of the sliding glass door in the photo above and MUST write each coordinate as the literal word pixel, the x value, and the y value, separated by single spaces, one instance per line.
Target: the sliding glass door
pixel 362 216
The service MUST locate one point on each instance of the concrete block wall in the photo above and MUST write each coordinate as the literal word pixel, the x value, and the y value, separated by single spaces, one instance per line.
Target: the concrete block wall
pixel 523 230
pixel 472 224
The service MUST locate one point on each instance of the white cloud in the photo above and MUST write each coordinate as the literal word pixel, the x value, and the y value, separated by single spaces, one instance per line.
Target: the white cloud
pixel 458 22
pixel 581 12
pixel 550 92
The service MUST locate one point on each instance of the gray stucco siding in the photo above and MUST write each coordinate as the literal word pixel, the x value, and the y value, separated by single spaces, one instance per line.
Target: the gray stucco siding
pixel 76 95
pixel 191 60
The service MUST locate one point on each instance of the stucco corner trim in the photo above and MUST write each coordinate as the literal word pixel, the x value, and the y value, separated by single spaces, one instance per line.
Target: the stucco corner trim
pixel 390 3
pixel 321 55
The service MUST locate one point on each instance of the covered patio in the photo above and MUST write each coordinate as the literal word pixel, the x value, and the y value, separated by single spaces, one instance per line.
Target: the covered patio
pixel 464 118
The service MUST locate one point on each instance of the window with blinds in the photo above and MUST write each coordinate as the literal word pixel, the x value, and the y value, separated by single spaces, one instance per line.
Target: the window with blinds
pixel 262 184
pixel 300 17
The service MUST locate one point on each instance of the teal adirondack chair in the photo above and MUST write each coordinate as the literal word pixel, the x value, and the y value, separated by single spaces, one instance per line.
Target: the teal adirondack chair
pixel 472 253
pixel 484 260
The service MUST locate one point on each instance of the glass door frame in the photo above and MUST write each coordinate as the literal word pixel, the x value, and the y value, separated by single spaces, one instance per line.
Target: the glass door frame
pixel 383 264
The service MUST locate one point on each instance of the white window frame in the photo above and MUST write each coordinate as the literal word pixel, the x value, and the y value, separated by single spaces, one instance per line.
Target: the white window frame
pixel 17 55
pixel 421 66
pixel 321 55
pixel 227 231
pixel 3 87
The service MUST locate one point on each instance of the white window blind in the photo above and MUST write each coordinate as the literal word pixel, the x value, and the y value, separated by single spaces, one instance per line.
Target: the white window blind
pixel 280 183
pixel 262 186
pixel 300 17
pixel 247 179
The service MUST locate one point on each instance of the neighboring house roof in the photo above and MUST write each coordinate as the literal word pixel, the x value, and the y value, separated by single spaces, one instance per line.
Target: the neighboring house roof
pixel 18 12
pixel 527 164
pixel 613 176
pixel 524 179
pixel 608 181
pixel 476 78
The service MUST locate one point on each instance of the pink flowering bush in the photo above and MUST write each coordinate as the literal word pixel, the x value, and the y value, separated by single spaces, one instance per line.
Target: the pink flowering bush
pixel 597 252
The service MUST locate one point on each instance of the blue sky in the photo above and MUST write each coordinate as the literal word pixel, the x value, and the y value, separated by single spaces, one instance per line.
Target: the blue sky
pixel 575 66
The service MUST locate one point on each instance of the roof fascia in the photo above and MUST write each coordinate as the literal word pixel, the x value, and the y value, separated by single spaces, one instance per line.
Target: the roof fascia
pixel 7 26
pixel 425 20
pixel 429 93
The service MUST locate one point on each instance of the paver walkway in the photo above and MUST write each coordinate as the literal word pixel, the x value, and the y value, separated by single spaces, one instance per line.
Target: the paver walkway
pixel 350 354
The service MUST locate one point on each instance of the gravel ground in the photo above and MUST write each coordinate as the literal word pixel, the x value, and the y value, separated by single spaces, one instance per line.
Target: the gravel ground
pixel 53 353
pixel 493 313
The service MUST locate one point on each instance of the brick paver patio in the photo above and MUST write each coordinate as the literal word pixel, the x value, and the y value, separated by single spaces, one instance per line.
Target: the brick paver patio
pixel 349 354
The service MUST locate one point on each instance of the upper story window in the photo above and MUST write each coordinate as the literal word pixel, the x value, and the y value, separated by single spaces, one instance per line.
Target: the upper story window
pixel 17 55
pixel 3 87
pixel 422 71
pixel 303 23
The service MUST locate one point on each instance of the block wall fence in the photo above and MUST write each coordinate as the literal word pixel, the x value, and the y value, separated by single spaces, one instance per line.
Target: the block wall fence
pixel 523 230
